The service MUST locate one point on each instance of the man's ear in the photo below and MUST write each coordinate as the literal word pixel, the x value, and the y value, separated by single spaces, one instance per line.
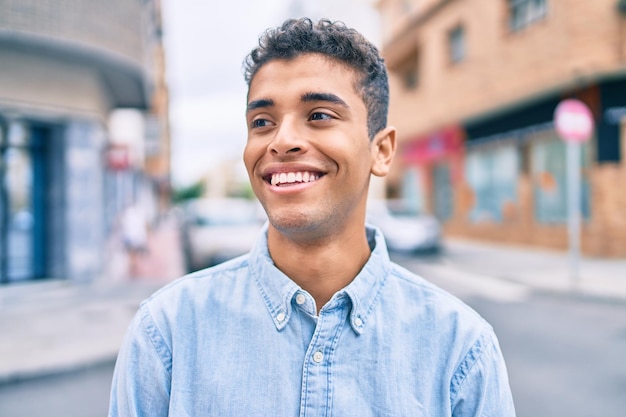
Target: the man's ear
pixel 383 149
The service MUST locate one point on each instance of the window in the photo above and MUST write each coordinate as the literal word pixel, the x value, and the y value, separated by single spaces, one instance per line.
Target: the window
pixel 492 174
pixel 524 12
pixel 408 70
pixel 456 44
pixel 549 173
pixel 443 198
pixel 22 200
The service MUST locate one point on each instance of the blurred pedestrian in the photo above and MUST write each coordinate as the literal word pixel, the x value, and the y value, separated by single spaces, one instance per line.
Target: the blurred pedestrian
pixel 315 320
pixel 134 227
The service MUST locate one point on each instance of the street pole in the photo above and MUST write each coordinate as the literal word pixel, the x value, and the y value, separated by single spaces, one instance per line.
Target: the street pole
pixel 573 205
pixel 574 123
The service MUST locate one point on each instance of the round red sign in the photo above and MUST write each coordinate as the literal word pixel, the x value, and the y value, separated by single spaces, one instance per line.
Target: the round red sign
pixel 573 121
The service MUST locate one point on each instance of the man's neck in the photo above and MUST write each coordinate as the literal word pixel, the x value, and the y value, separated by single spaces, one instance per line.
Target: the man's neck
pixel 321 268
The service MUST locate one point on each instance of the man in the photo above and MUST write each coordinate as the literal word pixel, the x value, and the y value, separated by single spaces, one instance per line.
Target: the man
pixel 315 320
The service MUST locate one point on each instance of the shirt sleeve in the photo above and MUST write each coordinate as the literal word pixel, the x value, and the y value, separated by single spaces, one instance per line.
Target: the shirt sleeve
pixel 142 375
pixel 480 387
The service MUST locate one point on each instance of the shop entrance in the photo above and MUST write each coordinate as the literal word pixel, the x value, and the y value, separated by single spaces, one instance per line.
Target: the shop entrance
pixel 22 201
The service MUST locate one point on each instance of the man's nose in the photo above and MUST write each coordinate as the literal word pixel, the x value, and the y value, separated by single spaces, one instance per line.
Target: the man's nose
pixel 289 138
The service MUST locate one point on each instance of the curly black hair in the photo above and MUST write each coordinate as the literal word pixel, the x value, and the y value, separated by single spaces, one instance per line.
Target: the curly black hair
pixel 334 40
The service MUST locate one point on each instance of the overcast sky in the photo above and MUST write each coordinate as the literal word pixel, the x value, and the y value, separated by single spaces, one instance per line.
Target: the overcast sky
pixel 205 47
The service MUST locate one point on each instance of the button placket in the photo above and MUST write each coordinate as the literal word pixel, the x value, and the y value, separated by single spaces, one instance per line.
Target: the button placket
pixel 318 369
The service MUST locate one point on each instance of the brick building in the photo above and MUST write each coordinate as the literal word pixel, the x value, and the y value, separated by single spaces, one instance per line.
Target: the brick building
pixel 65 68
pixel 474 87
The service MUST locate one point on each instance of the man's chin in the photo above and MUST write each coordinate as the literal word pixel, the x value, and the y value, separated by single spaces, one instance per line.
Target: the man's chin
pixel 298 224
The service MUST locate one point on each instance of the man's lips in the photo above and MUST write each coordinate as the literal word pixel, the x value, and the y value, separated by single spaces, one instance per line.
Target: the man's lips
pixel 292 177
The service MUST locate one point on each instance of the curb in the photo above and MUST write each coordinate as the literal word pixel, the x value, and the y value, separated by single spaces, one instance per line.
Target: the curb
pixel 455 273
pixel 50 371
pixel 72 330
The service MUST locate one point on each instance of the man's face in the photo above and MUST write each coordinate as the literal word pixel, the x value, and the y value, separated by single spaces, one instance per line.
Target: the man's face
pixel 308 153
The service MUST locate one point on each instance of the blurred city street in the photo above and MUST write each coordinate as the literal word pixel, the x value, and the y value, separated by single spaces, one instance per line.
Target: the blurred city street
pixel 60 331
pixel 119 133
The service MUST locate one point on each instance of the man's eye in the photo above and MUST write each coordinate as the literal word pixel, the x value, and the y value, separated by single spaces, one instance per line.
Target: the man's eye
pixel 321 116
pixel 260 123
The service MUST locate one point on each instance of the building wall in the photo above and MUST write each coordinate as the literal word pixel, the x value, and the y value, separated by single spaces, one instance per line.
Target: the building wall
pixel 606 234
pixel 112 26
pixel 577 46
pixel 501 68
pixel 49 85
pixel 65 66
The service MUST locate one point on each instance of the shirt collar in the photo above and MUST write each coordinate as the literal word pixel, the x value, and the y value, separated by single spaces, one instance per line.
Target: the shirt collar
pixel 278 290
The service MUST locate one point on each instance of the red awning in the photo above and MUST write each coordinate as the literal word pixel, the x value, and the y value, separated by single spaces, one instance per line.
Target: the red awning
pixel 434 146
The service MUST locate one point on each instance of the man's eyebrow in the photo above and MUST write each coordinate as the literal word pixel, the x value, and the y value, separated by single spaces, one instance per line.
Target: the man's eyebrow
pixel 308 97
pixel 256 104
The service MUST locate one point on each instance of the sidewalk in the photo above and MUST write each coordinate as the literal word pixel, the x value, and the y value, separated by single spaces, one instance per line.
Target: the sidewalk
pixel 56 326
pixel 48 327
pixel 539 270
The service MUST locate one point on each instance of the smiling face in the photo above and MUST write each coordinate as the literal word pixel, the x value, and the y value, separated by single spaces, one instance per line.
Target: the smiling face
pixel 308 153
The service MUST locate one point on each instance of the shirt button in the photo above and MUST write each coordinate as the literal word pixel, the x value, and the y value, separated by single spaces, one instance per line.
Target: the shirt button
pixel 318 357
pixel 358 322
pixel 280 317
pixel 300 299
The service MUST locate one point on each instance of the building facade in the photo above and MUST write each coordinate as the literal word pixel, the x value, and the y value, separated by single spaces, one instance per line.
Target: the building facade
pixel 474 88
pixel 65 67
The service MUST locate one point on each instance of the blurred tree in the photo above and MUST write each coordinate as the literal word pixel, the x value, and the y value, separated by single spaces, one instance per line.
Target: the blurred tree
pixel 190 192
pixel 242 191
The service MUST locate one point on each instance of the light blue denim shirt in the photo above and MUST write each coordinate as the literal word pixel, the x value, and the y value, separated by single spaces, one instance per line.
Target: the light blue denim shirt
pixel 242 339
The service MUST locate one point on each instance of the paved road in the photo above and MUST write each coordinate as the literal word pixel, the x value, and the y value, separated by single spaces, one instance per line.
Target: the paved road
pixel 564 353
pixel 565 357
pixel 83 393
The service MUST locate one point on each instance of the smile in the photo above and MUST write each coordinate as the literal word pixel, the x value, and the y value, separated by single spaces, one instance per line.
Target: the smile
pixel 284 178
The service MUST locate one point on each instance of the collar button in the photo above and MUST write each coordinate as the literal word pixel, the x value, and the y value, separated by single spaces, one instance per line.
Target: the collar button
pixel 300 299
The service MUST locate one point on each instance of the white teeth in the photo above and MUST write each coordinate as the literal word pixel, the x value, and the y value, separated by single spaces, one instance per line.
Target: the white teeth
pixel 292 177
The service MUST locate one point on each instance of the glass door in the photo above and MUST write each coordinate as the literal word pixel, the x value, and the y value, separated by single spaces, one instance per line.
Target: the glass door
pixel 23 240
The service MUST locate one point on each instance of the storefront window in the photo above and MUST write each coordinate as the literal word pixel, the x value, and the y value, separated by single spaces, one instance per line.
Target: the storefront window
pixel 18 184
pixel 549 164
pixel 443 198
pixel 492 174
pixel 17 135
pixel 22 211
pixel 413 190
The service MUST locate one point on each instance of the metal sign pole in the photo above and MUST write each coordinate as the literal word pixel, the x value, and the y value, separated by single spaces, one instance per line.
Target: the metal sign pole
pixel 573 205
pixel 574 123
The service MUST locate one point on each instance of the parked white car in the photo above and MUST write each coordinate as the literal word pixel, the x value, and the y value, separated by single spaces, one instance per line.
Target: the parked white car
pixel 215 230
pixel 404 231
